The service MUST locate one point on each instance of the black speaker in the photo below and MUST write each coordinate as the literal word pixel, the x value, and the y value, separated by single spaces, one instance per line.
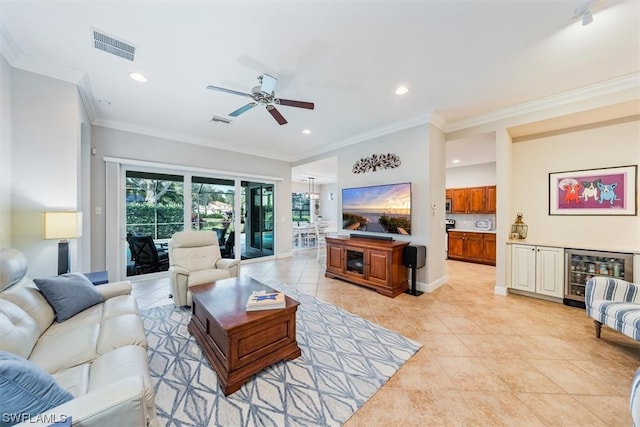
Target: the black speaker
pixel 415 256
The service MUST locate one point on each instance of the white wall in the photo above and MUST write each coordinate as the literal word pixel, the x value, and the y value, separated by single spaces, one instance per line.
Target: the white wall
pixel 300 187
pixel 5 153
pixel 329 207
pixel 122 144
pixel 84 189
pixel 45 157
pixel 614 145
pixel 436 177
pixel 423 166
pixel 471 176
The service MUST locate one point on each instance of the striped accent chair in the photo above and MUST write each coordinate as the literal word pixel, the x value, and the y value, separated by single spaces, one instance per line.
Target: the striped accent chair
pixel 615 303
pixel 634 400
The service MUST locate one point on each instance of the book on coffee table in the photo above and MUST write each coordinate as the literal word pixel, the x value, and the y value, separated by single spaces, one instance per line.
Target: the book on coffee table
pixel 261 300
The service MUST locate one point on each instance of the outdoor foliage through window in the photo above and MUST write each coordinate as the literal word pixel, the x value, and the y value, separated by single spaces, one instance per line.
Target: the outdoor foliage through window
pixel 211 203
pixel 155 204
pixel 300 207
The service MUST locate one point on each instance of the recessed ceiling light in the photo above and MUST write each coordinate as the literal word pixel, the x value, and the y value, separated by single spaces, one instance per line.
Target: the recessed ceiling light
pixel 138 77
pixel 306 131
pixel 402 90
pixel 455 161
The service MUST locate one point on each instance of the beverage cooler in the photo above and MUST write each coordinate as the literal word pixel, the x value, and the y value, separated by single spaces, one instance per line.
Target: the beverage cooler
pixel 581 265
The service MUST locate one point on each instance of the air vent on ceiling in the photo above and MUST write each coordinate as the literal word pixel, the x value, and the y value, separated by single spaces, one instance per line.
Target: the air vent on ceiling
pixel 217 119
pixel 113 46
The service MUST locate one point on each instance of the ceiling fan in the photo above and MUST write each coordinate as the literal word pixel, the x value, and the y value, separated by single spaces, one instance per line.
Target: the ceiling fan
pixel 264 95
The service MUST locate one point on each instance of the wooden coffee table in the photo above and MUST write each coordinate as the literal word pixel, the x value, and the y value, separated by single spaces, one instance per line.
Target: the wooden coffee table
pixel 238 343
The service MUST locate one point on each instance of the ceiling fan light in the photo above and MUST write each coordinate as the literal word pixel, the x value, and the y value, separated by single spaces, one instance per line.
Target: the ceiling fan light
pixel 587 18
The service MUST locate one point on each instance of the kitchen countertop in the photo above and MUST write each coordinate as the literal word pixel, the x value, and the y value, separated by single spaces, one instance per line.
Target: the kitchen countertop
pixel 472 230
pixel 565 245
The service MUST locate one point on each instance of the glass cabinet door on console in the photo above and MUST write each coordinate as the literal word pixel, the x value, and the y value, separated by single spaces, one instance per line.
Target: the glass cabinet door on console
pixel 583 265
pixel 355 261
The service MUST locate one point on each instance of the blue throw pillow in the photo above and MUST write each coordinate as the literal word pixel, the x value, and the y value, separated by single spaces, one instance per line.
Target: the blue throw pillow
pixel 26 390
pixel 68 294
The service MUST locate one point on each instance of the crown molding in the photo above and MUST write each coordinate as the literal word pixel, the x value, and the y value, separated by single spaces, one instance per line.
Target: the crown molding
pixel 432 118
pixel 629 81
pixel 12 53
pixel 8 47
pixel 438 121
pixel 190 140
pixel 86 94
pixel 48 69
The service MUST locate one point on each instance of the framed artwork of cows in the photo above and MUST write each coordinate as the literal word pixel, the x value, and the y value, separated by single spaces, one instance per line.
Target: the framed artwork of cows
pixel 608 191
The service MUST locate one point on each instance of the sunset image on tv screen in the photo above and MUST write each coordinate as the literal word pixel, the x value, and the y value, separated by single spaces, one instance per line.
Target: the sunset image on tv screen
pixel 379 208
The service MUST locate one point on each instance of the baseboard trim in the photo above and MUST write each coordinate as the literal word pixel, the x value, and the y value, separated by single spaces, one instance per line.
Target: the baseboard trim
pixel 430 287
pixel 500 290
pixel 284 255
pixel 534 295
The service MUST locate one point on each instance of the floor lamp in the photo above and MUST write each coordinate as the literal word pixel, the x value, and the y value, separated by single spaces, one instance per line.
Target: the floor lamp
pixel 62 226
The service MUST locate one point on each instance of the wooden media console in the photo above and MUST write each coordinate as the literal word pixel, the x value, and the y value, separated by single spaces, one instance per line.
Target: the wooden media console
pixel 374 263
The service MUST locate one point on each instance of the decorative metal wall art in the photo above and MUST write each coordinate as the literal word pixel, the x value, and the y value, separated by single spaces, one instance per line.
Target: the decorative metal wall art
pixel 375 162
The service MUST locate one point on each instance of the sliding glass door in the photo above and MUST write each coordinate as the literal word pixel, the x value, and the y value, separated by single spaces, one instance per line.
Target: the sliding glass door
pixel 154 210
pixel 213 208
pixel 159 204
pixel 259 223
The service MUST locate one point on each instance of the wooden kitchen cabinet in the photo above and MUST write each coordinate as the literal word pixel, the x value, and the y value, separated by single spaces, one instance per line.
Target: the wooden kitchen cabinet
pixel 374 263
pixel 490 199
pixel 472 247
pixel 459 200
pixel 476 202
pixel 489 246
pixel 472 200
pixel 455 246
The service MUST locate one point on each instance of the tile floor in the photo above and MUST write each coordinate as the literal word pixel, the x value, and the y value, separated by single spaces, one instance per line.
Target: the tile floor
pixel 486 360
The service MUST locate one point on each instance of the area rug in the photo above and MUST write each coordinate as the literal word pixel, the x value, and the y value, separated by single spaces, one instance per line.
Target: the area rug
pixel 345 360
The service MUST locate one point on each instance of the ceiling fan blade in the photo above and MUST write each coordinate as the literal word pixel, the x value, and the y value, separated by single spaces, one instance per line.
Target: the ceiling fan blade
pixel 243 109
pixel 233 92
pixel 268 84
pixel 299 104
pixel 276 115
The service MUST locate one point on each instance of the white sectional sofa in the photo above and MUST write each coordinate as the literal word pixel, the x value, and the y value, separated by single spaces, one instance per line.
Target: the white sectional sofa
pixel 98 355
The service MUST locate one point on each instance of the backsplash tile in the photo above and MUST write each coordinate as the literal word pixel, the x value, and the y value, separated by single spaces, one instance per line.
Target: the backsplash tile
pixel 468 221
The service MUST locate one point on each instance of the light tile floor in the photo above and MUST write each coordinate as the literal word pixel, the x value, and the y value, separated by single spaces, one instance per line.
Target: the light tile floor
pixel 486 360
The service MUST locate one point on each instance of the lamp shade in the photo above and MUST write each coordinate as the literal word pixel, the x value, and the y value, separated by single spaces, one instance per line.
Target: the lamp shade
pixel 62 225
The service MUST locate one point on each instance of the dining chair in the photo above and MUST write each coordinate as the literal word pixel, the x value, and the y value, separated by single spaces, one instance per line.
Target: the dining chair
pixel 320 236
pixel 310 234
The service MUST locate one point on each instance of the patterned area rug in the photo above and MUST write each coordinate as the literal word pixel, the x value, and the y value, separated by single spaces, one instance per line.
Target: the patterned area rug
pixel 345 360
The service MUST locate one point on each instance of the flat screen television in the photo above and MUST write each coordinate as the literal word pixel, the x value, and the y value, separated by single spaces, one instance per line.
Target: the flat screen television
pixel 377 208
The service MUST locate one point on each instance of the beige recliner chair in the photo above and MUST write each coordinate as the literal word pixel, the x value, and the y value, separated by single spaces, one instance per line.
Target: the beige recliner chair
pixel 194 259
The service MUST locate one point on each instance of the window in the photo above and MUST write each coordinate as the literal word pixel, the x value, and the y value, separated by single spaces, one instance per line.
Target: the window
pixel 300 207
pixel 212 202
pixel 154 204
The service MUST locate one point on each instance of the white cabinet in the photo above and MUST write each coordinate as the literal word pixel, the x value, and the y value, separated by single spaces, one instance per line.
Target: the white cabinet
pixel 538 269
